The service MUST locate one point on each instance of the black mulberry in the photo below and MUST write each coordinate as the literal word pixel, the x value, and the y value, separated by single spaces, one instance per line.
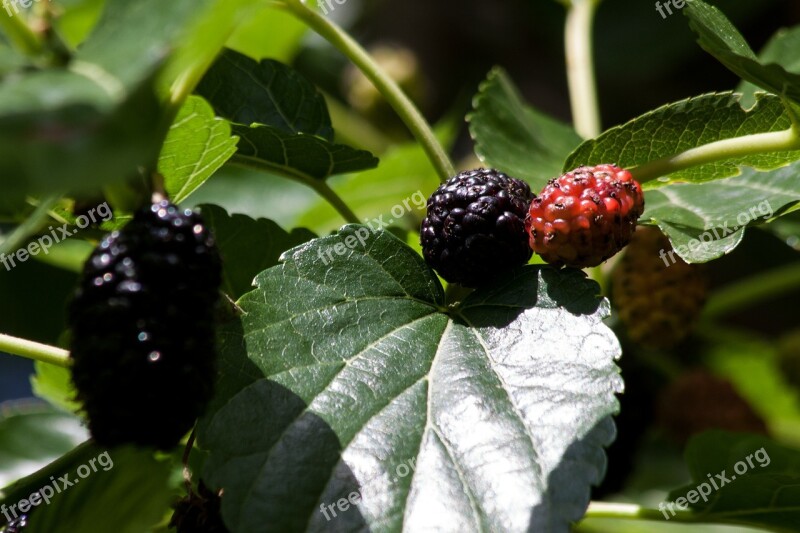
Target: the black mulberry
pixel 142 323
pixel 475 227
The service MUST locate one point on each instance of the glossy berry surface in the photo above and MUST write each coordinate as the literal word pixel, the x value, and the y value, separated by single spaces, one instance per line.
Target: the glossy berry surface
pixel 143 330
pixel 585 216
pixel 475 227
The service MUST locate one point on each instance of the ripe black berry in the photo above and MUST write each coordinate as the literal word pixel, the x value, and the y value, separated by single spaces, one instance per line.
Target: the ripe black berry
pixel 475 227
pixel 143 331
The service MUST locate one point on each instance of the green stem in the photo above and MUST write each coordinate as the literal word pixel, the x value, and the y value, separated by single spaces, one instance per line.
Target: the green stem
pixel 18 32
pixel 34 350
pixel 580 68
pixel 31 225
pixel 777 141
pixel 321 187
pixel 745 293
pixel 631 511
pixel 404 107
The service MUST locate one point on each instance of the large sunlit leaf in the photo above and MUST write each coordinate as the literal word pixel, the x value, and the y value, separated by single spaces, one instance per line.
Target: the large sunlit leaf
pixel 516 138
pixel 347 374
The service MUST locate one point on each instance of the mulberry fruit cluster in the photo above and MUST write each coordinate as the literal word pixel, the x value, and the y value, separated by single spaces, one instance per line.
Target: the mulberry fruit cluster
pixel 142 322
pixel 475 227
pixel 657 295
pixel 482 223
pixel 585 216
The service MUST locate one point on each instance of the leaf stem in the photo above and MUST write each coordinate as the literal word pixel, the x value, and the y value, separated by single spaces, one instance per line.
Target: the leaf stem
pixel 404 107
pixel 19 33
pixel 751 290
pixel 777 141
pixel 580 67
pixel 637 512
pixel 321 187
pixel 34 350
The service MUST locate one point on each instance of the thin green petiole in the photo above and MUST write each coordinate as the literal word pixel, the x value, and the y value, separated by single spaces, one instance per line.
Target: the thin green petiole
pixel 404 107
pixel 636 512
pixel 777 141
pixel 34 350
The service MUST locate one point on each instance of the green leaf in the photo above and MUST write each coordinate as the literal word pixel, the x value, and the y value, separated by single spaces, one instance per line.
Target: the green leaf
pixel 123 490
pixel 33 436
pixel 101 112
pixel 764 494
pixel 197 145
pixel 78 19
pixel 267 92
pixel 54 384
pixel 248 246
pixel 404 177
pixel 56 125
pixel 10 59
pixel 516 138
pixel 680 126
pixel 303 156
pixel 720 38
pixel 783 49
pixel 116 55
pixel 281 42
pixel 714 215
pixel 347 373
